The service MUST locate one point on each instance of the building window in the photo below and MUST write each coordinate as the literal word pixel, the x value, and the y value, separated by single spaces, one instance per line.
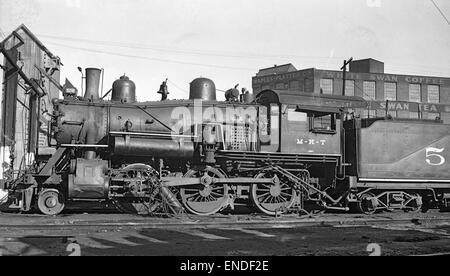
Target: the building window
pixel 349 88
pixel 326 86
pixel 414 115
pixel 368 113
pixel 294 85
pixel 433 94
pixel 393 114
pixel 267 87
pixel 390 91
pixel 381 113
pixel 309 85
pixel 414 93
pixel 369 90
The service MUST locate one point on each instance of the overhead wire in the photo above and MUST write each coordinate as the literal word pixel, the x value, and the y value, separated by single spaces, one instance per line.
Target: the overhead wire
pixel 151 58
pixel 186 51
pixel 177 87
pixel 440 11
pixel 196 52
pixel 418 68
pixel 364 93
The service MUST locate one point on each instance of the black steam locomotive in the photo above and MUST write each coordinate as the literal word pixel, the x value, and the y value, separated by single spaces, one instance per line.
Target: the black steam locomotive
pixel 276 152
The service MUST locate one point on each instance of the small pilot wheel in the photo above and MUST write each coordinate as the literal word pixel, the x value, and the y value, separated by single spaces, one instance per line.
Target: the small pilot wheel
pixel 205 199
pixel 272 199
pixel 364 205
pixel 50 202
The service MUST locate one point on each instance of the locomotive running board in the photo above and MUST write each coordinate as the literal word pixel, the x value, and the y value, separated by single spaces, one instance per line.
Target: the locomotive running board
pixel 403 180
pixel 395 184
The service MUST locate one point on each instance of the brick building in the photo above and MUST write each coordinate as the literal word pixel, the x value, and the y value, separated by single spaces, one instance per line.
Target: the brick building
pixel 407 96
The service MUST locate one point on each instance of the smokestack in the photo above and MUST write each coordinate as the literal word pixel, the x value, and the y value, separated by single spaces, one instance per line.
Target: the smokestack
pixel 92 84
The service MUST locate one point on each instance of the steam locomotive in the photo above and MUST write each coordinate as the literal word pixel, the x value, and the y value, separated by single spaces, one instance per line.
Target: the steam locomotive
pixel 274 152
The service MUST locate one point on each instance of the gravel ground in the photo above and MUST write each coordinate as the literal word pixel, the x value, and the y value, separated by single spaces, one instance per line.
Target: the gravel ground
pixel 108 233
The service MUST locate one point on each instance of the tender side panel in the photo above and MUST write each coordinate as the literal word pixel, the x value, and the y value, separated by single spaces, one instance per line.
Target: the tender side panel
pixel 404 150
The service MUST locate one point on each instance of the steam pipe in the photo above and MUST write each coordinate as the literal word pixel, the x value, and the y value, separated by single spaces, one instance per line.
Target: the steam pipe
pixel 90 140
pixel 107 93
pixel 103 78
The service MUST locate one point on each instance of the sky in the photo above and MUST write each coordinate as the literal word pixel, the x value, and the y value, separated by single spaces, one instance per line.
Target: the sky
pixel 228 41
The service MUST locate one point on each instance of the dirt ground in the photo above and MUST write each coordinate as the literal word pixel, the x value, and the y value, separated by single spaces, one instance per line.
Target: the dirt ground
pixel 225 235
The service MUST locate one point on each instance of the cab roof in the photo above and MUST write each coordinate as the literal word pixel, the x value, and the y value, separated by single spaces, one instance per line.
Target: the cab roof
pixel 310 101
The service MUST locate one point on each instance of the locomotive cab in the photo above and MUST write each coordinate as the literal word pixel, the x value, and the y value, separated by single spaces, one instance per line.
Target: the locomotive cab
pixel 307 125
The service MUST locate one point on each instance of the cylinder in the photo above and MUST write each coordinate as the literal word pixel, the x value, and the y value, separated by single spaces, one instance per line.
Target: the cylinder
pixel 90 180
pixel 124 90
pixel 202 89
pixel 92 84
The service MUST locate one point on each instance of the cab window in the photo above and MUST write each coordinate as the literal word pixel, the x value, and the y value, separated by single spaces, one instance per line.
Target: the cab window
pixel 322 123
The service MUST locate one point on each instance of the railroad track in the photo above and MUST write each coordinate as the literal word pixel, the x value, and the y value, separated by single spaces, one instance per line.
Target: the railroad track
pixel 200 222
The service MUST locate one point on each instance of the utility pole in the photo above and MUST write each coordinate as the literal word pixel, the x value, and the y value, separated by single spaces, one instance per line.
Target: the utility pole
pixel 344 72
